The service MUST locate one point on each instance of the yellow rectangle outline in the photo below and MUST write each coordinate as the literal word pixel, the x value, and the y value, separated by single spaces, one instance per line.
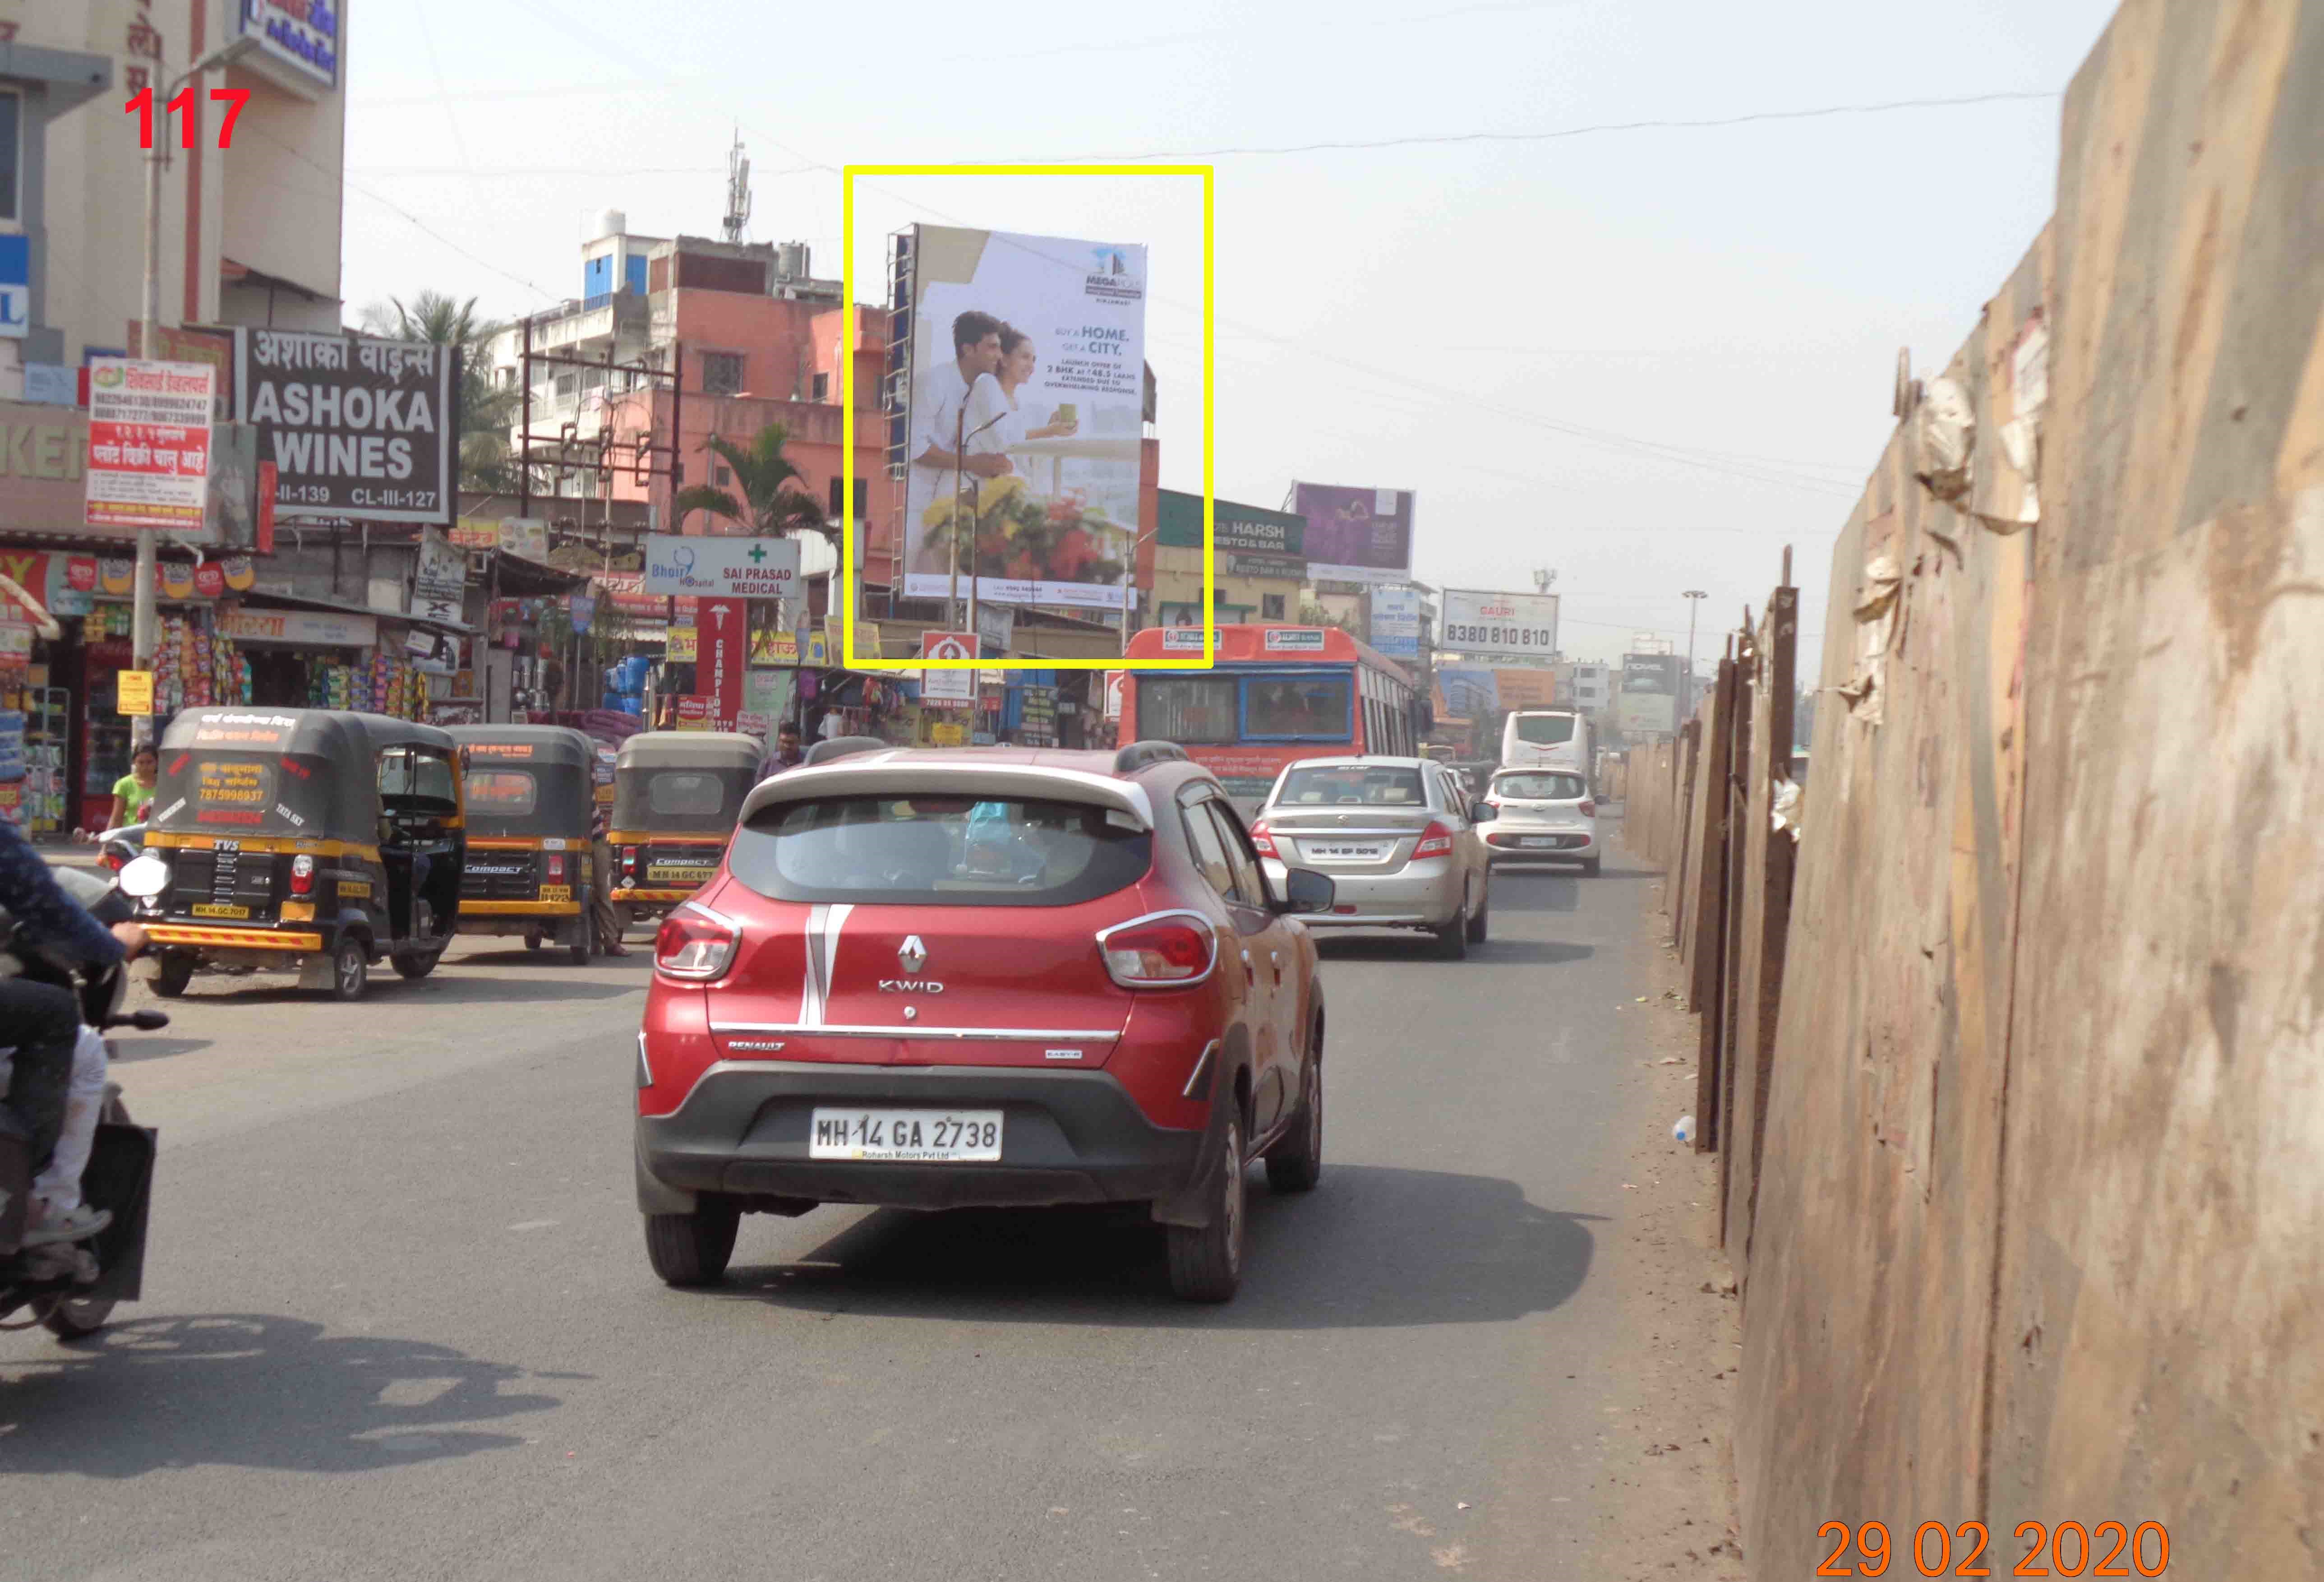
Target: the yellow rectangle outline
pixel 848 657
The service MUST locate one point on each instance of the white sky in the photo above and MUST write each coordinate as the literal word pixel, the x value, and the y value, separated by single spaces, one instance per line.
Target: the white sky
pixel 1440 318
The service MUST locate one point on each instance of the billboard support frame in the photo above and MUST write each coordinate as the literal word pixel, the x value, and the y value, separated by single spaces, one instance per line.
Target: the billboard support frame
pixel 848 176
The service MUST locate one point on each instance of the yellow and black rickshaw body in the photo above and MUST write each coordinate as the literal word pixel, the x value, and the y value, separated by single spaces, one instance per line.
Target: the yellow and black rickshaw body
pixel 531 796
pixel 676 795
pixel 308 840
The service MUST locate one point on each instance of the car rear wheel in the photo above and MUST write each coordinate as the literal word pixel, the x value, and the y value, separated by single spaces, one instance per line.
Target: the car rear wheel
pixel 172 974
pixel 350 969
pixel 1206 1264
pixel 1478 921
pixel 692 1249
pixel 1590 867
pixel 1296 1163
pixel 1452 938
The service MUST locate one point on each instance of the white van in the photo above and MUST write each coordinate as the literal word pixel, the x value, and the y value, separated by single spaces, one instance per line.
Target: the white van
pixel 1548 738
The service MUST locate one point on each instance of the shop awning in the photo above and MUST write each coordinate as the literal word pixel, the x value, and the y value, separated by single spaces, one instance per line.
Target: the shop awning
pixel 293 601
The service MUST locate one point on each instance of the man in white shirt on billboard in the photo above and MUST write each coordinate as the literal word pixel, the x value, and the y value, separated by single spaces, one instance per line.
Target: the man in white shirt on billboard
pixel 976 353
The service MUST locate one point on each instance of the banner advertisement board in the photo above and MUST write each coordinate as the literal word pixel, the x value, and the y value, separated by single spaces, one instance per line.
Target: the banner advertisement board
pixel 1518 625
pixel 722 629
pixel 440 581
pixel 1028 358
pixel 721 567
pixel 1356 535
pixel 149 444
pixel 354 427
pixel 1647 704
pixel 1395 622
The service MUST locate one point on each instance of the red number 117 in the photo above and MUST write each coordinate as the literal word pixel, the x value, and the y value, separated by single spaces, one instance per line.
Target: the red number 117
pixel 141 105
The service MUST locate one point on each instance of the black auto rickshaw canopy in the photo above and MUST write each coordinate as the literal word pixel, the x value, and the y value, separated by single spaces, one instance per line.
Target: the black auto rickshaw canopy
pixel 528 779
pixel 299 773
pixel 683 782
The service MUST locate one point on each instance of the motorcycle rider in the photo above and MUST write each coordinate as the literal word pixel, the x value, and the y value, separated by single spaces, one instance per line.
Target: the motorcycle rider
pixel 43 1023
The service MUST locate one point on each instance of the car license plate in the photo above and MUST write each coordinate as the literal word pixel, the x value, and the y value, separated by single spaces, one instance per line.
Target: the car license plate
pixel 221 911
pixel 1347 851
pixel 910 1136
pixel 1538 841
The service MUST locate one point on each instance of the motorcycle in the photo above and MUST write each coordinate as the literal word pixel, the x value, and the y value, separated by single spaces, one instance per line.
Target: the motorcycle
pixel 117 848
pixel 72 1289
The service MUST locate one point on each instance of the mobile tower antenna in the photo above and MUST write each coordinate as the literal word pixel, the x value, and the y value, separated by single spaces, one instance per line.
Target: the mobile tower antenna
pixel 738 190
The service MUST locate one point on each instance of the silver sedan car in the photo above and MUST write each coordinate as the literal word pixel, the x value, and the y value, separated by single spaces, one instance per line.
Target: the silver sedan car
pixel 1397 838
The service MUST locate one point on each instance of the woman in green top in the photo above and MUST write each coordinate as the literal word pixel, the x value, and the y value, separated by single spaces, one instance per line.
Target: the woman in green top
pixel 132 794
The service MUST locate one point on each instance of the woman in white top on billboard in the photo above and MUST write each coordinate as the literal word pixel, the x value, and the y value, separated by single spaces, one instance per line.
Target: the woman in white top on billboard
pixel 997 424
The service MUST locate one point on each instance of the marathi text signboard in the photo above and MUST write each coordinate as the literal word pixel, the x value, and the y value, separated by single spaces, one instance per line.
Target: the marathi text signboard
pixel 1522 625
pixel 1025 416
pixel 1395 622
pixel 948 686
pixel 149 444
pixel 721 567
pixel 355 427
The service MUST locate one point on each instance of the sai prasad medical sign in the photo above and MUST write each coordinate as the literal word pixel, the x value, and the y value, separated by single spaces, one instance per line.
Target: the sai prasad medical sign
pixel 721 568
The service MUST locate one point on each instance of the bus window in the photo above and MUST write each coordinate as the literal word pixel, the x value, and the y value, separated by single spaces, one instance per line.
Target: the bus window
pixel 1186 709
pixel 1306 708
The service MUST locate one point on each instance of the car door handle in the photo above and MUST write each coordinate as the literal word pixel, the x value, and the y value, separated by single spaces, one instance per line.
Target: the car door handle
pixel 1249 972
pixel 1275 957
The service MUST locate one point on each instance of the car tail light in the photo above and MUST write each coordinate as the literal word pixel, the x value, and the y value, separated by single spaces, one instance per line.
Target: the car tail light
pixel 555 866
pixel 695 942
pixel 302 874
pixel 1435 841
pixel 1589 810
pixel 1167 951
pixel 1263 838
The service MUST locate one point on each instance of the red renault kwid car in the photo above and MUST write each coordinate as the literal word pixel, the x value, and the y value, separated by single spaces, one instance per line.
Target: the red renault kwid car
pixel 980 978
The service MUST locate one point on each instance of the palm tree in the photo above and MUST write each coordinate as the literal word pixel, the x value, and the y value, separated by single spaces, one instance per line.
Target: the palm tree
pixel 775 499
pixel 441 319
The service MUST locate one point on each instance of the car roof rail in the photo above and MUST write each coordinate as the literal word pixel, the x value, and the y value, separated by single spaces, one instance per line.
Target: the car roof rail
pixel 843 747
pixel 1138 755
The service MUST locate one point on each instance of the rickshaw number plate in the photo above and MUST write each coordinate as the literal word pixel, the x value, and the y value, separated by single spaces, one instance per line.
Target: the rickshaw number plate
pixel 686 872
pixel 297 911
pixel 556 891
pixel 221 911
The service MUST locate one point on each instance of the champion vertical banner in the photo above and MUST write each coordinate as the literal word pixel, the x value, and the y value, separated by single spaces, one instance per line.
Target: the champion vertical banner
pixel 723 628
pixel 1025 418
pixel 354 427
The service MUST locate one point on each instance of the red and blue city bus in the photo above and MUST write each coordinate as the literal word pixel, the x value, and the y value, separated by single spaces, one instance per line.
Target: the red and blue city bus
pixel 1276 694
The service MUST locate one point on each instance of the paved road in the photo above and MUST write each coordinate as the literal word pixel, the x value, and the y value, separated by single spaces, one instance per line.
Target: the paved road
pixel 399 1322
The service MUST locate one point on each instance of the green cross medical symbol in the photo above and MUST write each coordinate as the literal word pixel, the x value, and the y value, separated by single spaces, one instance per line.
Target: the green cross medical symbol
pixel 758 553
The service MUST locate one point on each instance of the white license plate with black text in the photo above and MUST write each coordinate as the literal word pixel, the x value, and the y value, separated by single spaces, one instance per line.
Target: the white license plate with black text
pixel 1347 851
pixel 907 1136
pixel 1538 841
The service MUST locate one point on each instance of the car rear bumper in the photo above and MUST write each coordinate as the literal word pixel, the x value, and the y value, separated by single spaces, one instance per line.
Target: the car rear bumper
pixel 1425 893
pixel 1066 1137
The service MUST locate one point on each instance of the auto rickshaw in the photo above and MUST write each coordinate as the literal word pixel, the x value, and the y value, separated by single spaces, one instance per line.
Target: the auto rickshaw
pixel 306 840
pixel 676 795
pixel 529 790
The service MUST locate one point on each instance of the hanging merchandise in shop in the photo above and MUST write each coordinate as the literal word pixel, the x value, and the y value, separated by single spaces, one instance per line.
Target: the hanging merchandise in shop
pixel 355 427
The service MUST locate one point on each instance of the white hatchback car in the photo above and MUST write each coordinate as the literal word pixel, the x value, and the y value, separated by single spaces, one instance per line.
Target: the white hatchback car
pixel 1540 816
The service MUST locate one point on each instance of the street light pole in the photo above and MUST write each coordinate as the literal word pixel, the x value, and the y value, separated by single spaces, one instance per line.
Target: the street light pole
pixel 143 618
pixel 1695 598
pixel 1129 587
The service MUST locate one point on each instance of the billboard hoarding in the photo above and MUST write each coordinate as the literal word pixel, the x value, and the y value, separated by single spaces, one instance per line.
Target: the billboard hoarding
pixel 149 444
pixel 1024 421
pixel 1395 622
pixel 1647 703
pixel 1356 535
pixel 354 427
pixel 721 568
pixel 1516 625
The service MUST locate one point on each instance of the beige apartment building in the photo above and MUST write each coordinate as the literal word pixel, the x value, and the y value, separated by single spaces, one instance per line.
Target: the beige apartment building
pixel 250 232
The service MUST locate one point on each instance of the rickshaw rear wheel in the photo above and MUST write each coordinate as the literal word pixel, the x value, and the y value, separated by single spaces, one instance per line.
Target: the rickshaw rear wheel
pixel 417 964
pixel 532 938
pixel 585 938
pixel 172 974
pixel 350 968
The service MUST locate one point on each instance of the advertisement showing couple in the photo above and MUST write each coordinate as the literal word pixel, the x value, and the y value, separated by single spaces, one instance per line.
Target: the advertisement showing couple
pixel 1028 361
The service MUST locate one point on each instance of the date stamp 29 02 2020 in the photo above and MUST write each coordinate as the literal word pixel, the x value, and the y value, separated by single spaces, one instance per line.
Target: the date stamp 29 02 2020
pixel 2066 1549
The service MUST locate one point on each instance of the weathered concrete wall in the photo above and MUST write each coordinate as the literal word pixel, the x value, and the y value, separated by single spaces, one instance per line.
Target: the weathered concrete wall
pixel 2039 1223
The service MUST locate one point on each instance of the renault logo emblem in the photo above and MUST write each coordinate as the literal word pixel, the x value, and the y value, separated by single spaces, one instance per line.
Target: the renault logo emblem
pixel 911 954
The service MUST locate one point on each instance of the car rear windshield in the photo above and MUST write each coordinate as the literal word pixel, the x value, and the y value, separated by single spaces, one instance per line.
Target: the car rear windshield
pixel 1352 785
pixel 931 850
pixel 502 794
pixel 1545 730
pixel 1541 788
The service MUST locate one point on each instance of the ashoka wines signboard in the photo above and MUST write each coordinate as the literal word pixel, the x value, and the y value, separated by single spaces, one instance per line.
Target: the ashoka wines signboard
pixel 355 427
